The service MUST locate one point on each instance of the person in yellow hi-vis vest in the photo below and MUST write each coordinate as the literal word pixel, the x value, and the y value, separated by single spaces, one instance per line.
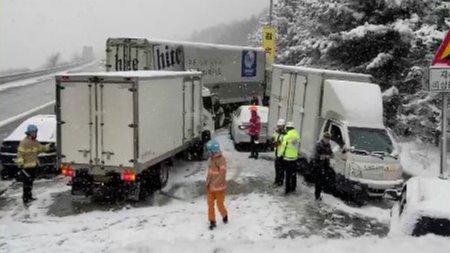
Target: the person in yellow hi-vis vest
pixel 27 160
pixel 277 140
pixel 291 146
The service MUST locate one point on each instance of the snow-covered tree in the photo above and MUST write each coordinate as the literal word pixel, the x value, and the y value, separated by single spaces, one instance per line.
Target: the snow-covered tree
pixel 393 40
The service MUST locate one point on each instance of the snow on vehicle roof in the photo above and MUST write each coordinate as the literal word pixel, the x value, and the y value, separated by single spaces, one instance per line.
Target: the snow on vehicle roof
pixel 131 74
pixel 46 124
pixel 363 77
pixel 195 44
pixel 358 103
pixel 429 196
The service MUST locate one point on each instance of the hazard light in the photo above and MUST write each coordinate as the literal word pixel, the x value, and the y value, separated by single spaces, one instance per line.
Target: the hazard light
pixel 66 170
pixel 129 175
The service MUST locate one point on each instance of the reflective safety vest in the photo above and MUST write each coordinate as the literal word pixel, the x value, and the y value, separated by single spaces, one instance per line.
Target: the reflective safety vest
pixel 27 153
pixel 217 173
pixel 291 145
pixel 278 142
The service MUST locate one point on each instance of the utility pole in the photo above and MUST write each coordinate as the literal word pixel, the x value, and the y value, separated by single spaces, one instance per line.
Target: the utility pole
pixel 270 12
pixel 444 135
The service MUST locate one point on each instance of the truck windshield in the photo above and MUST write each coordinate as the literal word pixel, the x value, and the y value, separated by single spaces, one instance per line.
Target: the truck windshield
pixel 370 139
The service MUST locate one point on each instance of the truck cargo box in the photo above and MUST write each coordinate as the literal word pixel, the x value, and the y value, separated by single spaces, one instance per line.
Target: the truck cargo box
pixel 126 120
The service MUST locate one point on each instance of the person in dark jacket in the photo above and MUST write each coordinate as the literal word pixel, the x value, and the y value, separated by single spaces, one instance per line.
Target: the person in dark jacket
pixel 322 157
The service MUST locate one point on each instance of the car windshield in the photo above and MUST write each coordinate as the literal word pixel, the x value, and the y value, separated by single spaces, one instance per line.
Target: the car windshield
pixel 370 139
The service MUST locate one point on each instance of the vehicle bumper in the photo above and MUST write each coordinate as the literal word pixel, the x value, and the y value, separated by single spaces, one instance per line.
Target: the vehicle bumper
pixel 375 188
pixel 243 137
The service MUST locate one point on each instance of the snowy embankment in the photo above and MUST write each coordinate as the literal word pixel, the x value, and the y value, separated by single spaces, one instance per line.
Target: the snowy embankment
pixel 311 245
pixel 422 159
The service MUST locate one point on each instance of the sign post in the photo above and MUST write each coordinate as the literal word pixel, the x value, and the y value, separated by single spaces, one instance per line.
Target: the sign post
pixel 440 82
pixel 268 42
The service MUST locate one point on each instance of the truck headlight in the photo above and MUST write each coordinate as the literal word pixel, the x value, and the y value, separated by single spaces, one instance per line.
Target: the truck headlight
pixel 355 170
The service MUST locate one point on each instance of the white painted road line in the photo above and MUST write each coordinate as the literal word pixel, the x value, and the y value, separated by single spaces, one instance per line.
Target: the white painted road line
pixel 25 114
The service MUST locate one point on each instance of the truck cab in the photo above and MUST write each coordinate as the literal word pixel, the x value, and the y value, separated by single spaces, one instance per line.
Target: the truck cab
pixel 365 160
pixel 366 156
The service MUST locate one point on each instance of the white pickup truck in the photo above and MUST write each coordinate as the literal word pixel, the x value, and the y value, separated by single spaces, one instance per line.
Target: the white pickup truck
pixel 348 106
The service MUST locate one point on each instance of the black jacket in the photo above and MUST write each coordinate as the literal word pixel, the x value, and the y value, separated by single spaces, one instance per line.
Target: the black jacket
pixel 321 149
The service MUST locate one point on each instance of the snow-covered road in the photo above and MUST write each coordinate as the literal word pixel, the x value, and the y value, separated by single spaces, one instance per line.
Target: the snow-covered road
pixel 20 96
pixel 176 216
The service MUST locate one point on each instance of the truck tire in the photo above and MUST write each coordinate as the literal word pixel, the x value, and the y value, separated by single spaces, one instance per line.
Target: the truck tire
pixel 330 181
pixel 137 192
pixel 160 174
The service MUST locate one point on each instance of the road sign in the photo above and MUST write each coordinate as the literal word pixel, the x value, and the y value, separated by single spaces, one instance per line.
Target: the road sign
pixel 268 42
pixel 442 57
pixel 439 79
pixel 440 82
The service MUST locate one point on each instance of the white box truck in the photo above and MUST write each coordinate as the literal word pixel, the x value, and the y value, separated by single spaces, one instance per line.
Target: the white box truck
pixel 233 74
pixel 349 107
pixel 117 131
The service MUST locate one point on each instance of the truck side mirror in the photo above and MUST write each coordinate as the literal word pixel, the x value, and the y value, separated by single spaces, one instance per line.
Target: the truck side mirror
pixel 344 148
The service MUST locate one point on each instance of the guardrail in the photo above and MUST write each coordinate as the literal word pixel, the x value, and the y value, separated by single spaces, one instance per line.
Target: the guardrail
pixel 24 75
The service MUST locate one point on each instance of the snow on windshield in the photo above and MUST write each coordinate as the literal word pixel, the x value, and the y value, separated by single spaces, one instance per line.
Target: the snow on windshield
pixel 370 139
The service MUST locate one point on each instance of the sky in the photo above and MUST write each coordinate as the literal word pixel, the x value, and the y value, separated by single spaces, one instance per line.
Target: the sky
pixel 32 30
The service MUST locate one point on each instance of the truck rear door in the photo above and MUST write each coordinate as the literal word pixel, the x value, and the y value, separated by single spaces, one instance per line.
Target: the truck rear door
pixel 76 119
pixel 287 98
pixel 192 108
pixel 116 124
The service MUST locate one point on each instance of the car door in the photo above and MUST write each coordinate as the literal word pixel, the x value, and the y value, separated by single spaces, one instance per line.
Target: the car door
pixel 235 123
pixel 338 161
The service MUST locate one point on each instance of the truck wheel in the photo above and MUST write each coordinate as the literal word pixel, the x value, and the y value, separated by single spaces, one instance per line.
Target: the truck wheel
pixel 164 173
pixel 160 174
pixel 137 192
pixel 330 179
pixel 238 147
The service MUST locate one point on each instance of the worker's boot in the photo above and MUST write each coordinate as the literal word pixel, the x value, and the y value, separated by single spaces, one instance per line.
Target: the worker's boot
pixel 212 225
pixel 225 219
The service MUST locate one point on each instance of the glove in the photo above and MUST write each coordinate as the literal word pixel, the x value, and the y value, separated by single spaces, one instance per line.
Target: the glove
pixel 50 146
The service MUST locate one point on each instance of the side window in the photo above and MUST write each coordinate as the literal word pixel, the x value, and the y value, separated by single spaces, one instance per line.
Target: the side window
pixel 327 126
pixel 336 135
pixel 403 200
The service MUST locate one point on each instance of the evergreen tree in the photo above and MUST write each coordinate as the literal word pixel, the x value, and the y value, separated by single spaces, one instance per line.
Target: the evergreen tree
pixel 393 40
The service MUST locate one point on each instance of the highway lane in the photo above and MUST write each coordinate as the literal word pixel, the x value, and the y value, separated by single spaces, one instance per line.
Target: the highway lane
pixel 21 99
